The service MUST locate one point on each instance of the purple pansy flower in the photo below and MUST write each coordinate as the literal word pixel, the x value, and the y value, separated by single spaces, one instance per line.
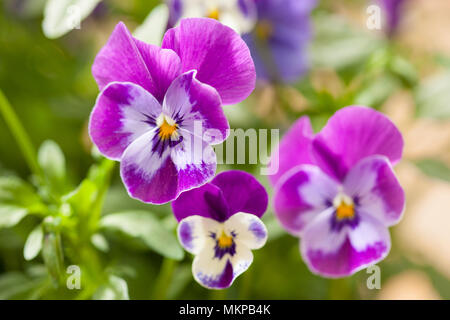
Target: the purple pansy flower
pixel 239 15
pixel 392 13
pixel 337 190
pixel 153 97
pixel 220 224
pixel 279 41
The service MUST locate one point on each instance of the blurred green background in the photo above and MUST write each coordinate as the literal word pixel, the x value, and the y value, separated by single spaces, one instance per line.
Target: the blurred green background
pixel 49 85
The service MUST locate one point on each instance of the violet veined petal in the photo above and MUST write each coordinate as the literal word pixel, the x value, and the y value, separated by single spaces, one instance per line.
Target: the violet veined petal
pixel 294 149
pixel 220 56
pixel 378 192
pixel 248 229
pixel 197 107
pixel 241 260
pixel 352 134
pixel 210 271
pixel 301 195
pixel 194 232
pixel 126 59
pixel 206 201
pixel 339 254
pixel 242 192
pixel 194 160
pixel 123 112
pixel 149 176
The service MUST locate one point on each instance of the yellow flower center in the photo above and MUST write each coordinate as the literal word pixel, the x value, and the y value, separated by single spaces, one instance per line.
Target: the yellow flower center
pixel 213 14
pixel 263 30
pixel 344 206
pixel 167 127
pixel 224 240
pixel 345 211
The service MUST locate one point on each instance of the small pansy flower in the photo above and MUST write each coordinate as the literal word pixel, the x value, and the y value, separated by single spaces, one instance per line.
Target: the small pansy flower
pixel 280 38
pixel 220 224
pixel 239 15
pixel 152 98
pixel 337 190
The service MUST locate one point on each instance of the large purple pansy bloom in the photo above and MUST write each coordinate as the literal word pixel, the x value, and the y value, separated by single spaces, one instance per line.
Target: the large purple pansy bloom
pixel 153 98
pixel 279 41
pixel 337 190
pixel 220 224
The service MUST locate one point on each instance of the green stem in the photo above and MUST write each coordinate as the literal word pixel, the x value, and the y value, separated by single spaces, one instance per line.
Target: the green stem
pixel 164 279
pixel 19 133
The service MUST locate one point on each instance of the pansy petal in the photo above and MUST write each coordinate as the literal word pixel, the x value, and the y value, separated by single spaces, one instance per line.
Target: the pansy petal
pixel 120 60
pixel 122 113
pixel 241 260
pixel 378 192
pixel 206 201
pixel 300 195
pixel 149 176
pixel 220 56
pixel 294 149
pixel 194 232
pixel 249 230
pixel 341 253
pixel 198 107
pixel 126 59
pixel 195 162
pixel 210 271
pixel 242 192
pixel 352 134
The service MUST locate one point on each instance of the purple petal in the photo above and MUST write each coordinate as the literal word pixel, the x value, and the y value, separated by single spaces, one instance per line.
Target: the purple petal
pixel 212 273
pixel 373 182
pixel 122 113
pixel 196 104
pixel 352 134
pixel 340 254
pixel 220 56
pixel 195 162
pixel 149 176
pixel 242 192
pixel 206 201
pixel 126 59
pixel 301 195
pixel 294 148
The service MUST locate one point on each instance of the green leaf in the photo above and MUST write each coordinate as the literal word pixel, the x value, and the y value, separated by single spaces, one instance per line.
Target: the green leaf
pixel 100 242
pixel 13 284
pixel 11 215
pixel 339 46
pixel 62 16
pixel 15 191
pixel 154 25
pixel 434 168
pixel 51 159
pixel 377 91
pixel 52 251
pixel 144 226
pixel 83 197
pixel 33 245
pixel 115 289
pixel 433 97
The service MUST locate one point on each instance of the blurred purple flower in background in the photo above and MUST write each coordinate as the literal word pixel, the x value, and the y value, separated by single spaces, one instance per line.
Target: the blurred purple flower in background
pixel 151 96
pixel 220 224
pixel 392 14
pixel 239 15
pixel 280 38
pixel 337 191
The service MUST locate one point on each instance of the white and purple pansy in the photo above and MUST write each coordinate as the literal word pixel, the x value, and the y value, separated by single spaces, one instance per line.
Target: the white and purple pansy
pixel 153 98
pixel 337 190
pixel 220 224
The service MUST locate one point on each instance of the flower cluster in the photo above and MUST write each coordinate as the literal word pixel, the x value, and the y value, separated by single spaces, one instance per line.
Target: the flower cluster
pixel 219 223
pixel 152 97
pixel 338 192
